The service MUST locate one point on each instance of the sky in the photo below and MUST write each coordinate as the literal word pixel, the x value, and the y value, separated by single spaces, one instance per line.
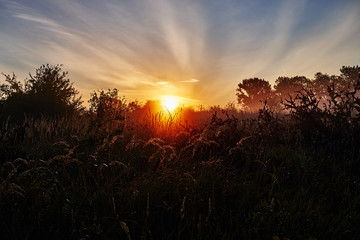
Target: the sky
pixel 196 50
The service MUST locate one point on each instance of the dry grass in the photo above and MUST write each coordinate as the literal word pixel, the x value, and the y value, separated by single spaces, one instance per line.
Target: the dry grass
pixel 158 177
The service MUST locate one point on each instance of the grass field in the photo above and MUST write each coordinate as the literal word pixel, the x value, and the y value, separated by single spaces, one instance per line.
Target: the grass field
pixel 153 176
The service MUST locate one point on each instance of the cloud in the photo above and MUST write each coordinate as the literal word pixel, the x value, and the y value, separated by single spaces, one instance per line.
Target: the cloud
pixel 148 48
pixel 35 19
pixel 191 81
pixel 162 83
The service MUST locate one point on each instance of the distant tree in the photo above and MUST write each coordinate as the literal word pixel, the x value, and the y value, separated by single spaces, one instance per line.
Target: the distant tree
pixel 350 74
pixel 319 85
pixel 12 88
pixel 107 110
pixel 285 86
pixel 134 106
pixel 97 99
pixel 12 96
pixel 321 81
pixel 347 79
pixel 252 93
pixel 49 92
pixel 107 105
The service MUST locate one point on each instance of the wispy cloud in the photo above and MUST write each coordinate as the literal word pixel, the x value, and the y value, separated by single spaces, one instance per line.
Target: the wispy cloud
pixel 35 19
pixel 162 83
pixel 191 81
pixel 150 48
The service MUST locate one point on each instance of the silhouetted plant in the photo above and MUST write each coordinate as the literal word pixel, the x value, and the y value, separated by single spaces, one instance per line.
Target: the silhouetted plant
pixel 107 110
pixel 269 176
pixel 321 82
pixel 344 105
pixel 350 74
pixel 304 106
pixel 269 124
pixel 251 92
pixel 49 92
pixel 285 86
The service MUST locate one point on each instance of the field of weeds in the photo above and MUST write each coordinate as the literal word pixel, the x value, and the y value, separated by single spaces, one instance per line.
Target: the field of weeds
pixel 259 176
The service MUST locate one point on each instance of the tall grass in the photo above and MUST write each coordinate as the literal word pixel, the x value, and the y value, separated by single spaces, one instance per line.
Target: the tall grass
pixel 156 177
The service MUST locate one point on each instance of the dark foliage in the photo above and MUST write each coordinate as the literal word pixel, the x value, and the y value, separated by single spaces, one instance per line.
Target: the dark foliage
pixel 49 92
pixel 274 176
pixel 252 92
pixel 285 86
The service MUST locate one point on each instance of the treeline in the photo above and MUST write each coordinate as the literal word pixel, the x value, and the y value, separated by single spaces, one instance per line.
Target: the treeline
pixel 252 93
pixel 51 93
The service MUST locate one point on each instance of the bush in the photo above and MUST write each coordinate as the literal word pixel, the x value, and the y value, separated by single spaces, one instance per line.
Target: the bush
pixel 49 92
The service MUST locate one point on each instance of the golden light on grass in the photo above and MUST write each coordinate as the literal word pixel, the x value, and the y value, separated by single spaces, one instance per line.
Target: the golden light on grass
pixel 170 102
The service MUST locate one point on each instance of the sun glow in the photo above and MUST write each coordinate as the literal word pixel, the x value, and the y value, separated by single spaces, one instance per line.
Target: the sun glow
pixel 170 102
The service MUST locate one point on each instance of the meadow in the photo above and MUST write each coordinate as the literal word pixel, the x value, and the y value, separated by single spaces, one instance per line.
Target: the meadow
pixel 130 173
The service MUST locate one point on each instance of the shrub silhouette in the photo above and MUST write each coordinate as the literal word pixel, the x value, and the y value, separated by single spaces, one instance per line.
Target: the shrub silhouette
pixel 49 92
pixel 107 111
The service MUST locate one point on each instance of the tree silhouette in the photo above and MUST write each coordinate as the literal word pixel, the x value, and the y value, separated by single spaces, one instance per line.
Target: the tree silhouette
pixel 321 81
pixel 350 74
pixel 285 86
pixel 107 106
pixel 252 93
pixel 49 92
pixel 348 77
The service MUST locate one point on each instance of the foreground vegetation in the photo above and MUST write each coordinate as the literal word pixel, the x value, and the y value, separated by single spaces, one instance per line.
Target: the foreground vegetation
pixel 121 172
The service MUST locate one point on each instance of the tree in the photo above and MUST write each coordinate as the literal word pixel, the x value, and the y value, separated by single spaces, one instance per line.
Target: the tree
pixel 49 92
pixel 350 74
pixel 285 86
pixel 107 111
pixel 320 83
pixel 13 87
pixel 252 93
pixel 348 77
pixel 107 106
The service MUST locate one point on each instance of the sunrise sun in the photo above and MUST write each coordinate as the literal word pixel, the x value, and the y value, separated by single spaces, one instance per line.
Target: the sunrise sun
pixel 170 102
